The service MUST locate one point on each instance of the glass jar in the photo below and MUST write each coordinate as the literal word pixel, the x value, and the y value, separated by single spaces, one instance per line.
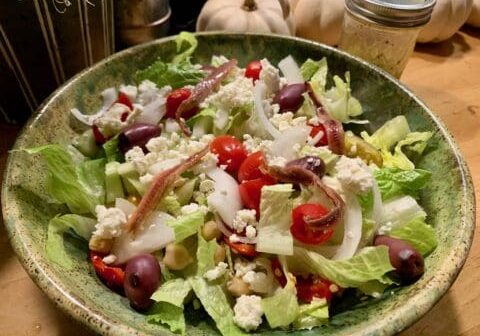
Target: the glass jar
pixel 384 32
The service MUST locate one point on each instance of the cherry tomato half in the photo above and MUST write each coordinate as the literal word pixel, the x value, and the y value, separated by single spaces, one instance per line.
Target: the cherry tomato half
pixel 250 167
pixel 301 231
pixel 246 250
pixel 99 137
pixel 314 287
pixel 323 139
pixel 230 152
pixel 253 70
pixel 251 191
pixel 123 99
pixel 112 277
pixel 174 99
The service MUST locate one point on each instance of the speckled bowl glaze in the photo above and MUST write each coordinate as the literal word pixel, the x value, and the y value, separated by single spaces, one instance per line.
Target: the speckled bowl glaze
pixel 448 199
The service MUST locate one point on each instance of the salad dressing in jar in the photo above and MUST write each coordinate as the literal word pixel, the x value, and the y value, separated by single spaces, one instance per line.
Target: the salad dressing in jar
pixel 384 32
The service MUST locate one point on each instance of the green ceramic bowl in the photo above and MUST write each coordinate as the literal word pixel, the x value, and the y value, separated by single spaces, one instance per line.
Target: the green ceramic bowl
pixel 448 200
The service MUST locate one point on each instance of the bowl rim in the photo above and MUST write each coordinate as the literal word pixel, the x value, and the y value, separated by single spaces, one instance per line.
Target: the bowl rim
pixel 394 322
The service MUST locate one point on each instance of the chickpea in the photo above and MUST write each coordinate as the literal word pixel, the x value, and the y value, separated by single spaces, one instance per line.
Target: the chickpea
pixel 176 257
pixel 210 231
pixel 237 287
pixel 220 254
pixel 99 244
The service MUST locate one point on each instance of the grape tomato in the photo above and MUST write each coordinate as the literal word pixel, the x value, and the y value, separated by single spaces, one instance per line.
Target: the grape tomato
pixel 230 152
pixel 300 229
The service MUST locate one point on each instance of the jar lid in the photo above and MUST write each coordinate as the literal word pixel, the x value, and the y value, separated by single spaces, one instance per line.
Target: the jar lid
pixel 394 13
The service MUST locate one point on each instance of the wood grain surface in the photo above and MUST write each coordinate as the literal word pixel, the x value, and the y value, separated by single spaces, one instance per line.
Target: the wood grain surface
pixel 446 76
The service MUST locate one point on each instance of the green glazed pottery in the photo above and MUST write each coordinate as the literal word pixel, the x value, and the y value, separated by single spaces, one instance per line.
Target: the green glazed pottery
pixel 448 199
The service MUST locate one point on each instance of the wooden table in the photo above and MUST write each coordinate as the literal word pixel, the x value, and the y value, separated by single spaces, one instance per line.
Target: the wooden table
pixel 446 76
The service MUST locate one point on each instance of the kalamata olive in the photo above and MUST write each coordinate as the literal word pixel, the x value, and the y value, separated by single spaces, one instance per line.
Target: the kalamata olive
pixel 137 135
pixel 142 277
pixel 310 162
pixel 406 260
pixel 290 97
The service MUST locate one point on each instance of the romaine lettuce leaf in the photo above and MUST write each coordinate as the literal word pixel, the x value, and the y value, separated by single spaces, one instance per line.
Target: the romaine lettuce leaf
pixel 415 142
pixel 340 104
pixel 184 39
pixel 169 315
pixel 54 246
pixel 312 315
pixel 112 152
pixel 273 231
pixel 171 205
pixel 310 67
pixel 370 264
pixel 418 234
pixel 173 291
pixel 175 75
pixel 205 254
pixel 71 183
pixel 281 308
pixel 394 182
pixel 318 80
pixel 389 134
pixel 215 302
pixel 400 211
pixel 186 225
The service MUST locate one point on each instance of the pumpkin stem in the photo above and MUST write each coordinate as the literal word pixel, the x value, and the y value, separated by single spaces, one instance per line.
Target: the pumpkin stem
pixel 249 5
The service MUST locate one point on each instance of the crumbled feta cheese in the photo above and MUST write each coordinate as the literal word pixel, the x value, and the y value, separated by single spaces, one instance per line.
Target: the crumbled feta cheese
pixel 189 208
pixel 147 85
pixel 354 175
pixel 278 161
pixel 335 184
pixel 206 187
pixel 171 126
pixel 130 91
pixel 248 312
pixel 284 121
pixel 314 121
pixel 216 272
pixel 110 123
pixel 250 232
pixel 242 267
pixel 243 218
pixel 254 144
pixel 110 222
pixel 238 93
pixel 140 161
pixel 148 92
pixel 146 179
pixel 385 228
pixel 110 259
pixel 258 282
pixel 158 144
pixel 270 76
pixel 234 238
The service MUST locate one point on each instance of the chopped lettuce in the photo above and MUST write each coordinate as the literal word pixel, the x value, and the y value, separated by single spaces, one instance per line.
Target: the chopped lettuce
pixel 164 313
pixel 281 308
pixel 414 142
pixel 273 231
pixel 80 186
pixel 174 75
pixel 184 39
pixel 371 264
pixel 394 182
pixel 340 104
pixel 366 201
pixel 318 80
pixel 112 152
pixel 389 134
pixel 401 211
pixel 310 68
pixel 173 291
pixel 368 231
pixel 185 192
pixel 205 254
pixel 171 205
pixel 54 247
pixel 215 302
pixel 325 154
pixel 418 234
pixel 186 225
pixel 312 315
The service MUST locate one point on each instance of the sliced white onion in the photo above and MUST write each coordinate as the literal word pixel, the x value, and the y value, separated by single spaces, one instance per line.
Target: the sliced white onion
pixel 109 97
pixel 290 70
pixel 225 199
pixel 259 92
pixel 158 167
pixel 153 112
pixel 155 235
pixel 352 228
pixel 285 145
pixel 124 205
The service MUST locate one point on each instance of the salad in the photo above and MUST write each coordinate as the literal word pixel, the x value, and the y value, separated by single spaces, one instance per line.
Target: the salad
pixel 241 192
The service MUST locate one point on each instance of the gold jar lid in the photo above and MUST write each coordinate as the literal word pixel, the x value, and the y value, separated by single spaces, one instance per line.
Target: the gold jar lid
pixel 392 13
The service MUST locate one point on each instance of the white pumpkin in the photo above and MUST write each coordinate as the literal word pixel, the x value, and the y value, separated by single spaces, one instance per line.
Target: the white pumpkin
pixel 262 16
pixel 447 18
pixel 319 20
pixel 474 18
